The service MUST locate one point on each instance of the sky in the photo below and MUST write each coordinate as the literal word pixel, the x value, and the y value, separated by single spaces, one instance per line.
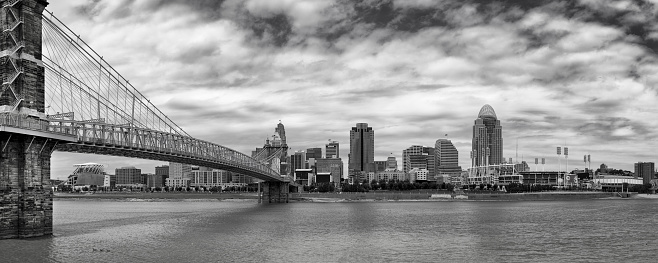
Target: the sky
pixel 581 74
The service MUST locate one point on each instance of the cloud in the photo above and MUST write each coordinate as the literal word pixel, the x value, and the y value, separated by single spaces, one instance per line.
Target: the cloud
pixel 584 72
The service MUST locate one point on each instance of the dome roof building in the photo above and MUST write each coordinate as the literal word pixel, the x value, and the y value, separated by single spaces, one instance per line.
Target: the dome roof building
pixel 487 138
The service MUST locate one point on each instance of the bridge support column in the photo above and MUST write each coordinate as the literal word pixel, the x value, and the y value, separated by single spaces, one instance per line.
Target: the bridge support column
pixel 26 203
pixel 275 192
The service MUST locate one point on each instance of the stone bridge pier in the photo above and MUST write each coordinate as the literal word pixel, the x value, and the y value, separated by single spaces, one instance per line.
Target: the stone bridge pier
pixel 26 204
pixel 275 192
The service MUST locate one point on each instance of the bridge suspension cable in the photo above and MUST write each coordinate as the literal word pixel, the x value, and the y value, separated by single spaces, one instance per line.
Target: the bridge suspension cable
pixel 80 81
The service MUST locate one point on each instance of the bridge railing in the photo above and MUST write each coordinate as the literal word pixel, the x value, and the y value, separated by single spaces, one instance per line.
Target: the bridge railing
pixel 26 122
pixel 139 139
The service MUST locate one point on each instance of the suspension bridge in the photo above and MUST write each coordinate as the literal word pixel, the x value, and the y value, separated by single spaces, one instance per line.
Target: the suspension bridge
pixel 58 94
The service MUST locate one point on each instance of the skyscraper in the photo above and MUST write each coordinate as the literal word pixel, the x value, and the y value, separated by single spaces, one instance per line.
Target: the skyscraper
pixel 362 148
pixel 446 157
pixel 487 138
pixel 332 150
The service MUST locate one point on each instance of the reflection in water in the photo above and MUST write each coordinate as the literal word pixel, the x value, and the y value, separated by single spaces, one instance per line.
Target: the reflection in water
pixel 115 231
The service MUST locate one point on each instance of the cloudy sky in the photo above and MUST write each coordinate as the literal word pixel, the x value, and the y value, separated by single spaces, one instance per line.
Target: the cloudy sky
pixel 577 73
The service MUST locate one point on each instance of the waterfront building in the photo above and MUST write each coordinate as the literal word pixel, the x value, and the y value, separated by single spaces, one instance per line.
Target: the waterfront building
pixel 362 148
pixel 446 158
pixel 646 171
pixel 155 180
pixel 614 182
pixel 487 148
pixel 334 166
pixel 417 174
pixel 304 176
pixel 129 176
pixel 390 175
pixel 179 175
pixel 332 150
pixel 321 178
pixel 209 178
pixel 420 157
pixel 237 178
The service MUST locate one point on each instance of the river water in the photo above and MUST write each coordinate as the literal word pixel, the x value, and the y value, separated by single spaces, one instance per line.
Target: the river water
pixel 245 231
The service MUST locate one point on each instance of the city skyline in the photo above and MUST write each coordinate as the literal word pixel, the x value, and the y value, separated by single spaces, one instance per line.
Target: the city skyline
pixel 581 74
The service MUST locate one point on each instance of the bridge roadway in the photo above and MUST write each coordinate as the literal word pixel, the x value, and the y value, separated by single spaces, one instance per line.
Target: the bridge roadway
pixel 126 141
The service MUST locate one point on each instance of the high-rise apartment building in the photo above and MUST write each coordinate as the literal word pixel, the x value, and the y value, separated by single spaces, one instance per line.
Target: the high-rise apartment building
pixel 487 138
pixel 332 150
pixel 646 171
pixel 446 157
pixel 362 148
pixel 419 157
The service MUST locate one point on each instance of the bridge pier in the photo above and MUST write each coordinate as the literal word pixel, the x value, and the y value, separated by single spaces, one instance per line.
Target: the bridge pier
pixel 26 206
pixel 26 203
pixel 275 192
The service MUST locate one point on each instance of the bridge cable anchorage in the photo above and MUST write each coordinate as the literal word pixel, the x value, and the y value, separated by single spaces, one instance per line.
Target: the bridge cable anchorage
pixel 88 99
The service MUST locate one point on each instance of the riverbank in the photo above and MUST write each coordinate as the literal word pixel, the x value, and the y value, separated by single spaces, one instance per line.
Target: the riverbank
pixel 478 196
pixel 412 196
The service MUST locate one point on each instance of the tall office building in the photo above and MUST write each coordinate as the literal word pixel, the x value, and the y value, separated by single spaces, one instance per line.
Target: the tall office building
pixel 646 171
pixel 332 150
pixel 419 157
pixel 297 161
pixel 487 138
pixel 362 148
pixel 313 153
pixel 281 131
pixel 446 157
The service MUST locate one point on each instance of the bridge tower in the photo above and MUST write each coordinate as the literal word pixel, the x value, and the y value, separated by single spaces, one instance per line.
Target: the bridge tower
pixel 25 143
